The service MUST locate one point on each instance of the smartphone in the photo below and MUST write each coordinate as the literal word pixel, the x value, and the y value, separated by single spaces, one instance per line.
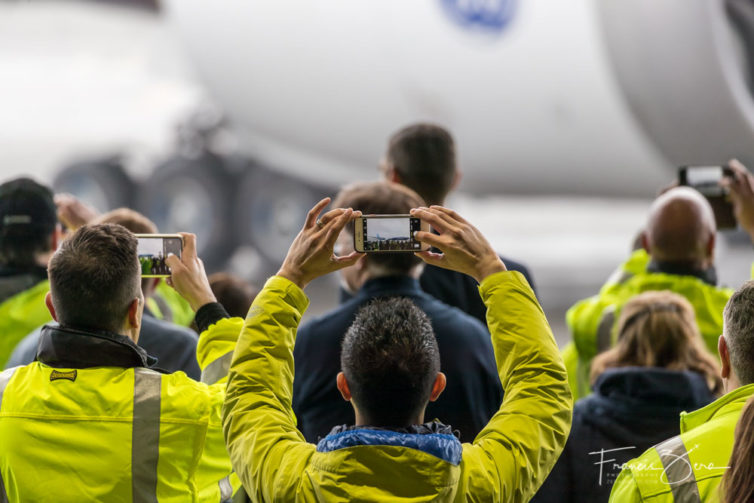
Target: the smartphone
pixel 706 179
pixel 388 233
pixel 152 251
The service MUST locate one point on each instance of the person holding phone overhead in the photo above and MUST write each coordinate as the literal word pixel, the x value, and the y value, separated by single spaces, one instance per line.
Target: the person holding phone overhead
pixel 473 394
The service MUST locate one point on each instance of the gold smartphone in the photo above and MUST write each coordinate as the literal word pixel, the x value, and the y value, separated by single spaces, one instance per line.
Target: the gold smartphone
pixel 388 233
pixel 152 251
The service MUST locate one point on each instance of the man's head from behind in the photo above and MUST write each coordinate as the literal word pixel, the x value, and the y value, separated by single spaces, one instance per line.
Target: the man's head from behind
pixel 138 224
pixel 423 157
pixel 391 364
pixel 28 222
pixel 736 346
pixel 94 281
pixel 379 198
pixel 681 229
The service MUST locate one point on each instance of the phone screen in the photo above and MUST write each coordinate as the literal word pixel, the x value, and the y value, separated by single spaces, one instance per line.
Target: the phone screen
pixel 152 251
pixel 390 234
pixel 706 180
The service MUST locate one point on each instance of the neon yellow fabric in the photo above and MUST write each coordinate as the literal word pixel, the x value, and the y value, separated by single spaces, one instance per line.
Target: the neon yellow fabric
pixel 707 436
pixel 71 440
pixel 181 312
pixel 21 314
pixel 584 317
pixel 508 460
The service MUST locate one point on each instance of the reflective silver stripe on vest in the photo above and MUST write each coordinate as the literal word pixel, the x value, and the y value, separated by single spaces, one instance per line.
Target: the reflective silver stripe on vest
pixel 605 330
pixel 4 380
pixel 679 474
pixel 217 369
pixel 145 440
pixel 226 489
pixel 5 376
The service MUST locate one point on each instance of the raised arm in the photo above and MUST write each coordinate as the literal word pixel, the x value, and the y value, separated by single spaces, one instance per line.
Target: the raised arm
pixel 218 332
pixel 514 453
pixel 267 451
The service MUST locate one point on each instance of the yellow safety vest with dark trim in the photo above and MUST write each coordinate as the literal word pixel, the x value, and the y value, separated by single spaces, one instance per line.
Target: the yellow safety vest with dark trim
pixel 687 468
pixel 20 315
pixel 115 434
pixel 593 321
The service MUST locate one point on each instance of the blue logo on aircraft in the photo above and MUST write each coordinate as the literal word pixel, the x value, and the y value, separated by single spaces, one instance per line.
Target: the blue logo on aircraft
pixel 487 15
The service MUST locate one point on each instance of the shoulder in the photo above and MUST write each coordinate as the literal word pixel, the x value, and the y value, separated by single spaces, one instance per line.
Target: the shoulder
pixel 445 315
pixel 166 329
pixel 329 327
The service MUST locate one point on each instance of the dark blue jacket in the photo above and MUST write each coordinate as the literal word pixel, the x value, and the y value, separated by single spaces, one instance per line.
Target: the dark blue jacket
pixel 173 346
pixel 457 289
pixel 461 290
pixel 473 393
pixel 632 409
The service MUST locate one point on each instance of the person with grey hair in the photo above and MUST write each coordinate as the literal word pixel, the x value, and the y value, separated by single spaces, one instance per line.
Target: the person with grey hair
pixel 690 467
pixel 677 254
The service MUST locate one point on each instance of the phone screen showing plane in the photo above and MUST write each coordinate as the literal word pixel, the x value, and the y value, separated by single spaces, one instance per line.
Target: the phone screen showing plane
pixel 391 234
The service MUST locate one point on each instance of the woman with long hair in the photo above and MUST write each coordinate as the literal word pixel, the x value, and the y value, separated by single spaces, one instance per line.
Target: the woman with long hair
pixel 658 368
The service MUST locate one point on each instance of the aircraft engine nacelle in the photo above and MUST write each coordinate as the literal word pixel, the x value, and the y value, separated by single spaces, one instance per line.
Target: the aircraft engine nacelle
pixel 597 97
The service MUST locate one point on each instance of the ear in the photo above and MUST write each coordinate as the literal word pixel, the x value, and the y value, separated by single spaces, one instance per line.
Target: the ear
pixel 438 386
pixel 645 242
pixel 711 245
pixel 722 349
pixel 134 313
pixel 392 174
pixel 456 180
pixel 50 307
pixel 342 384
pixel 57 237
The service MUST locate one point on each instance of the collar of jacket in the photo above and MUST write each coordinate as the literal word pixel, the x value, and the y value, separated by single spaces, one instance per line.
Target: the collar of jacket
pixel 72 348
pixel 729 403
pixel 432 438
pixel 709 275
pixel 389 286
pixel 660 391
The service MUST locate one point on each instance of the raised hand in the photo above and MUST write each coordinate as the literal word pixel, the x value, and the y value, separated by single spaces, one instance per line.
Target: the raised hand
pixel 464 248
pixel 311 253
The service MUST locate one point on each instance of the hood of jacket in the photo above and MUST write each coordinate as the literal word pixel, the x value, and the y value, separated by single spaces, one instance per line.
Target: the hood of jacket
pixel 634 403
pixel 421 463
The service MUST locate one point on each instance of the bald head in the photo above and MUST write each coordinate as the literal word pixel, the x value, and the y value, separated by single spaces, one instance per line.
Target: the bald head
pixel 681 228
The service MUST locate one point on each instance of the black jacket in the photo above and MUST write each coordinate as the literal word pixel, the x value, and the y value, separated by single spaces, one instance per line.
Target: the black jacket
pixel 461 290
pixel 632 409
pixel 473 393
pixel 457 289
pixel 173 346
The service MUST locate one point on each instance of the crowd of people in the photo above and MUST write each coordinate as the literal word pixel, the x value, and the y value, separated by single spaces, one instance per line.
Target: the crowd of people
pixel 436 378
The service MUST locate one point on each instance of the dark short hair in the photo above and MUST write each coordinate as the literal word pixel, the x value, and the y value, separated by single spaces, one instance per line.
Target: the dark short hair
pixel 738 328
pixel 424 155
pixel 134 222
pixel 235 294
pixel 94 277
pixel 28 217
pixel 381 198
pixel 390 359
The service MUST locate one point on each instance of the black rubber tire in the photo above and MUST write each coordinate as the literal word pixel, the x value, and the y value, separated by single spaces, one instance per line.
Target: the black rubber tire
pixel 102 183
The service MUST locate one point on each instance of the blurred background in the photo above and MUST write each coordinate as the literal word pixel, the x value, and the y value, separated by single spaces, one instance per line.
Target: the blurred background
pixel 231 118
